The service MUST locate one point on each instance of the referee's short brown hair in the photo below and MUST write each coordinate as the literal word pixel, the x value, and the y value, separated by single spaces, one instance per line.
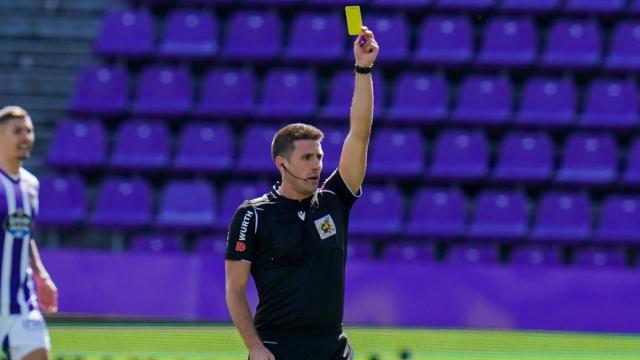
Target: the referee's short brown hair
pixel 283 140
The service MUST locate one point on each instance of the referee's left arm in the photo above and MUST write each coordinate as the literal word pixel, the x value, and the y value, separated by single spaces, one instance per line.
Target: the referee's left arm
pixel 353 159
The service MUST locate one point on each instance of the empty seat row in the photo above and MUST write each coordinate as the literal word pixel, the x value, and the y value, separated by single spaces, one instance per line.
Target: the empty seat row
pixel 408 251
pixel 598 7
pixel 456 155
pixel 435 213
pixel 441 39
pixel 416 97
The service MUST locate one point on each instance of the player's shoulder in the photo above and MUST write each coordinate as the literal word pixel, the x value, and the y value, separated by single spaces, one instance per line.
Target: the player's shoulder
pixel 27 176
pixel 258 203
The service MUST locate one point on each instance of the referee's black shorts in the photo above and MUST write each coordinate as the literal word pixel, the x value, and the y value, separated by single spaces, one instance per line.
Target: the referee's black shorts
pixel 331 347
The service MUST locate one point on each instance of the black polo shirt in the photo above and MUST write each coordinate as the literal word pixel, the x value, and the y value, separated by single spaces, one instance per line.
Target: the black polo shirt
pixel 297 251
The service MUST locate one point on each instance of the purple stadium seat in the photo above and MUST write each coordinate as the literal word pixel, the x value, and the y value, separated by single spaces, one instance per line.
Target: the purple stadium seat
pixel 536 255
pixel 562 217
pixel 204 147
pixel 389 145
pixel 189 34
pixel 619 219
pixel 62 201
pixel 340 93
pixel 634 7
pixel 126 33
pixel 401 4
pixel 624 49
pixel 78 144
pixel 233 194
pixel 472 254
pixel 141 145
pixel 393 31
pixel 271 2
pixel 631 174
pixel 408 251
pixel 499 215
pixel 316 37
pixel 598 7
pixel 465 4
pixel 101 90
pixel 187 205
pixel 246 29
pixel 588 159
pixel 460 155
pixel 445 40
pixel 528 6
pixel 255 150
pixel 378 213
pixel 594 257
pixel 523 157
pixel 484 100
pixel 227 93
pixel 156 243
pixel 419 99
pixel 332 148
pixel 211 245
pixel 123 203
pixel 508 42
pixel 547 102
pixel 163 91
pixel 437 213
pixel 610 104
pixel 359 251
pixel 288 93
pixel 573 44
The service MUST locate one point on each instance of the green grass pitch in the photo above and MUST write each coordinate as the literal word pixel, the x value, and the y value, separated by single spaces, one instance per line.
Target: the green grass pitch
pixel 180 341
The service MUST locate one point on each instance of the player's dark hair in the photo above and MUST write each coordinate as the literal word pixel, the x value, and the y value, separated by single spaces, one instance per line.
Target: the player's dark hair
pixel 283 140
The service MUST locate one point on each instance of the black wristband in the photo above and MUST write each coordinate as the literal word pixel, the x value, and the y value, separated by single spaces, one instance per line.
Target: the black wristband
pixel 363 70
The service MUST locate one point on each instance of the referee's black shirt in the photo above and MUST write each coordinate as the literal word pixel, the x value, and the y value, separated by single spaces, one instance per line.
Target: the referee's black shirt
pixel 297 251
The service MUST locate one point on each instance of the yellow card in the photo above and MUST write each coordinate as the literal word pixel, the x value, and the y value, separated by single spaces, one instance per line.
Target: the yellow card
pixel 354 19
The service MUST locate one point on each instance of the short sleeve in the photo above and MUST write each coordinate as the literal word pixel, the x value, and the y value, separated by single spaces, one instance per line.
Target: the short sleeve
pixel 241 238
pixel 336 184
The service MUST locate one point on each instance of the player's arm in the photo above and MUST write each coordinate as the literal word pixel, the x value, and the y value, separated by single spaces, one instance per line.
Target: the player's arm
pixel 239 254
pixel 46 289
pixel 353 160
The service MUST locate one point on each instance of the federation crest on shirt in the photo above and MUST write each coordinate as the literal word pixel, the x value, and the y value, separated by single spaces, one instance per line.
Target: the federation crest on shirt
pixel 325 226
pixel 18 224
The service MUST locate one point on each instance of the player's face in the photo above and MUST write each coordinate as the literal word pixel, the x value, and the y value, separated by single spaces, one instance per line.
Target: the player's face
pixel 306 162
pixel 16 139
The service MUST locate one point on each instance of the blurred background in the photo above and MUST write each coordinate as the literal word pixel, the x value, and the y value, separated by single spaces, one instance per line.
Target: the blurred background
pixel 500 217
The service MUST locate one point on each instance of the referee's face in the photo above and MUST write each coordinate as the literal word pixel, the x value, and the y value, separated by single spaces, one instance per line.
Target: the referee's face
pixel 306 163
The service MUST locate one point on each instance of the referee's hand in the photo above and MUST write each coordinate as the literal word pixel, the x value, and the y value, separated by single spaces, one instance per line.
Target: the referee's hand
pixel 260 353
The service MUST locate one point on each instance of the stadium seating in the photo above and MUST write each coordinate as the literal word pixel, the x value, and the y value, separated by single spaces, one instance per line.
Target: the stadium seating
pixel 187 205
pixel 573 44
pixel 508 42
pixel 547 102
pixel 562 217
pixel 101 90
pixel 141 145
pixel 119 27
pixel 246 29
pixel 524 158
pixel 315 37
pixel 63 201
pixel 123 203
pixel 163 91
pixel 419 98
pixel 189 35
pixel 78 144
pixel 204 147
pixel 390 145
pixel 444 40
pixel 378 213
pixel 483 100
pixel 437 213
pixel 499 215
pixel 227 93
pixel 460 155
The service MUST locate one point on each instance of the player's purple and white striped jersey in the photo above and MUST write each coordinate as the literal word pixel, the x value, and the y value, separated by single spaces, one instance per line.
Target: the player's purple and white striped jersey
pixel 18 208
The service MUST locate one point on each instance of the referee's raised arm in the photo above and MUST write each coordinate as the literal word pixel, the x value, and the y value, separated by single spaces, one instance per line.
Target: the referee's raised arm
pixel 353 159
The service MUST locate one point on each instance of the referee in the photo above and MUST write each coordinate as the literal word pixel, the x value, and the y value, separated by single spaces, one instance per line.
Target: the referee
pixel 292 240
